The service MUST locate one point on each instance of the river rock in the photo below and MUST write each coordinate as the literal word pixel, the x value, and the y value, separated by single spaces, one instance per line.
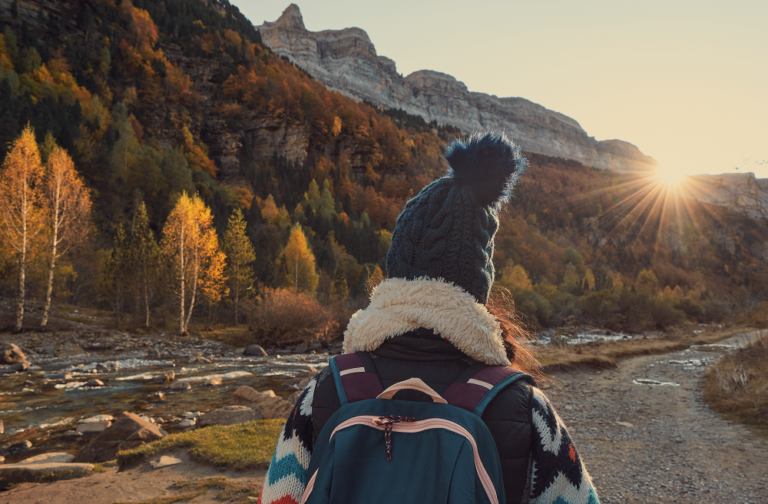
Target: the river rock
pixel 94 383
pixel 294 398
pixel 2 427
pixel 2 459
pixel 18 448
pixel 20 366
pixel 315 345
pixel 268 406
pixel 11 354
pixel 93 427
pixel 254 350
pixel 164 461
pixel 129 431
pixel 181 386
pixel 12 474
pixel 300 348
pixel 229 415
pixel 57 376
pixel 48 458
pixel 214 382
pixel 199 359
pixel 186 423
pixel 97 418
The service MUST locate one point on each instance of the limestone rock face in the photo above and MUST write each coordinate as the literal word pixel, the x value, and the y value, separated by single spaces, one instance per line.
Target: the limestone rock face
pixel 346 61
pixel 129 431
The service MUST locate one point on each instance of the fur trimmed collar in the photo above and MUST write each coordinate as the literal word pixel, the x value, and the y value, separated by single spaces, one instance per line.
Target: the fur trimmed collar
pixel 398 306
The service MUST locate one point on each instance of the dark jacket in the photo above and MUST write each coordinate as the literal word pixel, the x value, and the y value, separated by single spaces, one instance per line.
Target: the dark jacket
pixel 437 362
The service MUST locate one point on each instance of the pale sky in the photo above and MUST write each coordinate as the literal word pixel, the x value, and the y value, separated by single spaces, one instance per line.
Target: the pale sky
pixel 684 80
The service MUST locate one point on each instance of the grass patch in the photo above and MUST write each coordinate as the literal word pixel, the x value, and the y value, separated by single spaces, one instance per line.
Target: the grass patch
pixel 606 354
pixel 737 386
pixel 241 446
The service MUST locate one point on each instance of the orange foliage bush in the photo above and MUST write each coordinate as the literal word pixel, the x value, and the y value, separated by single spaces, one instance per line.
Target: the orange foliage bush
pixel 283 316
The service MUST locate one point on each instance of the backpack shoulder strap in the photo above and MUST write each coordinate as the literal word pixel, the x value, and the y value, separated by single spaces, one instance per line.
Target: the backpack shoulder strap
pixel 355 377
pixel 476 391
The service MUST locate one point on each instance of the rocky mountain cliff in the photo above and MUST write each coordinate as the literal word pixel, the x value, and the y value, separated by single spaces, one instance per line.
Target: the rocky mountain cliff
pixel 346 61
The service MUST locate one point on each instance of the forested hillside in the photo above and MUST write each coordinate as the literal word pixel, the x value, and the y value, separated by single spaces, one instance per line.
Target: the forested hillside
pixel 154 100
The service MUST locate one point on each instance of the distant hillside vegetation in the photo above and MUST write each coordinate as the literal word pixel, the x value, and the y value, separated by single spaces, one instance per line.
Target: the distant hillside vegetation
pixel 155 98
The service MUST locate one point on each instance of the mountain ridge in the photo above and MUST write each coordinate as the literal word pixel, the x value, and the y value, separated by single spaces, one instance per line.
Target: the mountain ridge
pixel 346 61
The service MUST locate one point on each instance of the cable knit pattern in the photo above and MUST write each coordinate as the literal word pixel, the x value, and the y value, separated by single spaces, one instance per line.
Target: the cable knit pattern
pixel 447 230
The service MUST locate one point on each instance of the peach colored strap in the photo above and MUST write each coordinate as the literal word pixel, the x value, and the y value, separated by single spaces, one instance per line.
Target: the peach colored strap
pixel 412 384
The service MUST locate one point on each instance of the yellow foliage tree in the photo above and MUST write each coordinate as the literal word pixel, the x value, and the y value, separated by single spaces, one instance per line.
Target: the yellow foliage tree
pixel 191 248
pixel 515 276
pixel 20 196
pixel 67 208
pixel 299 263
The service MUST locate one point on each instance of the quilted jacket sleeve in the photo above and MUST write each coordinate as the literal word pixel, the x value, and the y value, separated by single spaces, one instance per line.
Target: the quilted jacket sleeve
pixel 557 472
pixel 287 475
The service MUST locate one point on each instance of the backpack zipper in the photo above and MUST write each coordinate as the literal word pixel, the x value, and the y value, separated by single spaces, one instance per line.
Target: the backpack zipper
pixel 387 422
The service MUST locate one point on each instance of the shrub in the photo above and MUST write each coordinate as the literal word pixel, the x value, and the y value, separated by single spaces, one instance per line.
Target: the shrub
pixel 736 386
pixel 284 316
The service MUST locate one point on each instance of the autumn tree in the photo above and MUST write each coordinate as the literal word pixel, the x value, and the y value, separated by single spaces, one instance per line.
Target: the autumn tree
pixel 114 273
pixel 144 256
pixel 339 288
pixel 299 263
pixel 191 248
pixel 240 254
pixel 20 196
pixel 67 205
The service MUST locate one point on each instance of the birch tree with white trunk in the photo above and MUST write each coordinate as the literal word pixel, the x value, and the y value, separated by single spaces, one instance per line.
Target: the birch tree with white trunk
pixel 67 205
pixel 21 219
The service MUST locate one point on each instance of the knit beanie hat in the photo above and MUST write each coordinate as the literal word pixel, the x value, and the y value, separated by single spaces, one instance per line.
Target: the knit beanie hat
pixel 446 231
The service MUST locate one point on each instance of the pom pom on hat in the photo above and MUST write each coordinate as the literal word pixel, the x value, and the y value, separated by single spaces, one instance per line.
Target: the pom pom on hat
pixel 490 163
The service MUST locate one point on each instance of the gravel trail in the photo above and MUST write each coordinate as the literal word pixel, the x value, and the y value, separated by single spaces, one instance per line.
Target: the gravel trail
pixel 646 443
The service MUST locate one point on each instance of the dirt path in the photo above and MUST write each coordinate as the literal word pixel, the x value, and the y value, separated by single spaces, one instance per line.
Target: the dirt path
pixel 134 485
pixel 669 447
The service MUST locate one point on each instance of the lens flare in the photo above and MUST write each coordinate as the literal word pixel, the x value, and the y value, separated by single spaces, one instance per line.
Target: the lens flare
pixel 670 178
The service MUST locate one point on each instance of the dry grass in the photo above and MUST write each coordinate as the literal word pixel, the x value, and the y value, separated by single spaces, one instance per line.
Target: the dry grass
pixel 737 386
pixel 606 354
pixel 236 336
pixel 241 446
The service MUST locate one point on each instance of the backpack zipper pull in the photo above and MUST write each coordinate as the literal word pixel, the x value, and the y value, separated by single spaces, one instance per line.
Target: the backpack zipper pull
pixel 387 422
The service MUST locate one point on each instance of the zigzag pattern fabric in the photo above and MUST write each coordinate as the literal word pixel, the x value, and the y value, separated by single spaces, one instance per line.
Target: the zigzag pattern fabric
pixel 287 476
pixel 557 477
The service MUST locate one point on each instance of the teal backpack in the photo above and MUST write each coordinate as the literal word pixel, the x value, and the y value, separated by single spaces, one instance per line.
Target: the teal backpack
pixel 379 448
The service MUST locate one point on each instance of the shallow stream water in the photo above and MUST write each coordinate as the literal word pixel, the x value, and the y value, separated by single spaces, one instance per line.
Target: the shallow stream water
pixel 46 412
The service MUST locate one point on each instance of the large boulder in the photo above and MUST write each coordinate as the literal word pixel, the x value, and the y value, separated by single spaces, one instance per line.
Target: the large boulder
pixel 11 354
pixel 254 350
pixel 230 415
pixel 129 431
pixel 266 404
